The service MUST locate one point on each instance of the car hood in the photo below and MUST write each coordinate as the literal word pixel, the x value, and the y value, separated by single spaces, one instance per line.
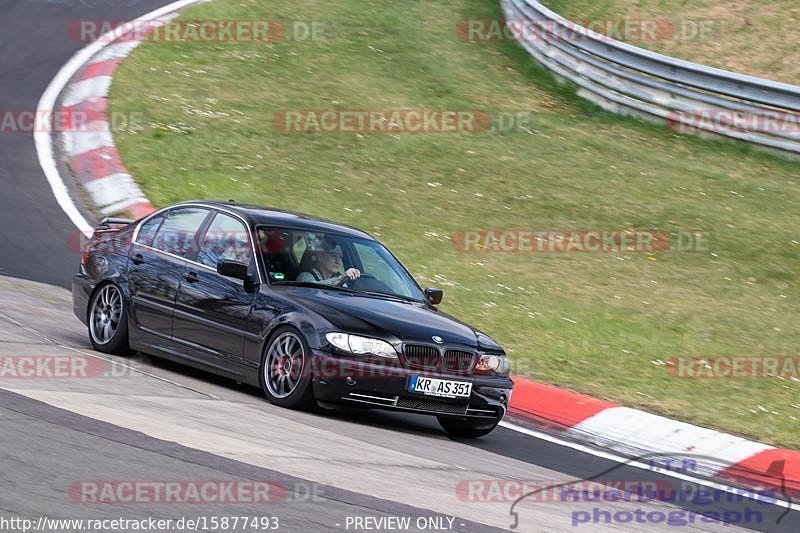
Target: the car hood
pixel 385 318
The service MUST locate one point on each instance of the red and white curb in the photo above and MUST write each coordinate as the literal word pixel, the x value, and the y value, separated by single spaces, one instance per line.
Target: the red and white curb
pixel 89 152
pixel 634 433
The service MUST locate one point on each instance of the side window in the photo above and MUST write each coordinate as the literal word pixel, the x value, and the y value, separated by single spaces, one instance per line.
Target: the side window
pixel 178 232
pixel 226 238
pixel 275 246
pixel 299 249
pixel 147 231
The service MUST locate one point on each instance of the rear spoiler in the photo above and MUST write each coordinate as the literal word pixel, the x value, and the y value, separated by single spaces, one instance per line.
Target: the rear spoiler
pixel 109 226
pixel 109 221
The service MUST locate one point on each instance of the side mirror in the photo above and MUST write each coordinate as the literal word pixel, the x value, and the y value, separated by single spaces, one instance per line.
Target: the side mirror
pixel 434 295
pixel 232 269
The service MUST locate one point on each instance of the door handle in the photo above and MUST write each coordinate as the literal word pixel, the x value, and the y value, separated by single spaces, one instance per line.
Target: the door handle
pixel 138 259
pixel 191 277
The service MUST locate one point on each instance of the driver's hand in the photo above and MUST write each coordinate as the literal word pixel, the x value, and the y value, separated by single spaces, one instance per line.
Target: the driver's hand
pixel 352 273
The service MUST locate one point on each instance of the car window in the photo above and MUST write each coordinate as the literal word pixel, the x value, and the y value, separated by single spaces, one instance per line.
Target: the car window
pixel 377 266
pixel 306 242
pixel 298 255
pixel 147 231
pixel 299 248
pixel 226 238
pixel 178 232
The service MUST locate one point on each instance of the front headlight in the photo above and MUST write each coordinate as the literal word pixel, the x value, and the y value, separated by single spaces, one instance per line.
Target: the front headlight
pixel 493 363
pixel 362 345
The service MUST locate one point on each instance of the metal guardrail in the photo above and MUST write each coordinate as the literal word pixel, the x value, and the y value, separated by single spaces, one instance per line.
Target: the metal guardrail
pixel 629 80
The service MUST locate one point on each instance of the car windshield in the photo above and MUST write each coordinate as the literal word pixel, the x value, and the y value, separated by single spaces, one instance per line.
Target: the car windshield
pixel 331 260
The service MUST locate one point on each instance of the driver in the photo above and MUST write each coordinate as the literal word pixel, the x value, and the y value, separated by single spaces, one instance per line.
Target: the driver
pixel 326 258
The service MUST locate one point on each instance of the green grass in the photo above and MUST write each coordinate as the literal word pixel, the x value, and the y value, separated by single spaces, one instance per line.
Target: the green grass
pixel 754 37
pixel 598 323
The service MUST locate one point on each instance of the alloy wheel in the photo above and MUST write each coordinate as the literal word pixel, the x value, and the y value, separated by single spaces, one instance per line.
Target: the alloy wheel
pixel 284 366
pixel 104 318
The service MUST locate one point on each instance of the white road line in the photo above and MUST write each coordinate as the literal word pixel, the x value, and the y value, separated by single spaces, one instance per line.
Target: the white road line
pixel 632 463
pixel 47 102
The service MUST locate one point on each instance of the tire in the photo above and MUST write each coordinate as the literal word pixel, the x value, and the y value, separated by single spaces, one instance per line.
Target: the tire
pixel 108 321
pixel 285 378
pixel 469 429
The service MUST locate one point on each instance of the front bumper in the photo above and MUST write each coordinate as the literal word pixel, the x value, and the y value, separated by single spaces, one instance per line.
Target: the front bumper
pixel 363 383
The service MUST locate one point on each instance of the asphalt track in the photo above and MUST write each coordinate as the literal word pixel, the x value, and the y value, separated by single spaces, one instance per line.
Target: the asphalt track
pixel 34 44
pixel 150 420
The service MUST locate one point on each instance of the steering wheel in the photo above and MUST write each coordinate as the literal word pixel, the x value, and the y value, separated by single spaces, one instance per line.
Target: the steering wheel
pixel 353 282
pixel 367 282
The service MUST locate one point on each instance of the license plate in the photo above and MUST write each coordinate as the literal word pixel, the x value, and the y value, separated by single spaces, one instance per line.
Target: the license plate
pixel 444 388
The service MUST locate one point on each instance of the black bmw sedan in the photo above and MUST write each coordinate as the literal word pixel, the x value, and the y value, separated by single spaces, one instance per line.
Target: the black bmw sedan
pixel 313 312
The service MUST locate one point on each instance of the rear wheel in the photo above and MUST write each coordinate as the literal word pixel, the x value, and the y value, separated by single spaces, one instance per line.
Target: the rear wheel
pixel 466 428
pixel 286 370
pixel 108 321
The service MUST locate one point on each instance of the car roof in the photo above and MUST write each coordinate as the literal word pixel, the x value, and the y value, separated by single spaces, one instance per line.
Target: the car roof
pixel 267 216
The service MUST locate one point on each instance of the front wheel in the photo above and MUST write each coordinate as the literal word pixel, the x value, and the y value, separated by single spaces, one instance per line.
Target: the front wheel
pixel 286 370
pixel 470 429
pixel 108 321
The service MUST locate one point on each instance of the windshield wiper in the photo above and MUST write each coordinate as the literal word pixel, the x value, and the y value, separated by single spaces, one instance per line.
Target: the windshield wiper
pixel 347 289
pixel 316 286
pixel 392 295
